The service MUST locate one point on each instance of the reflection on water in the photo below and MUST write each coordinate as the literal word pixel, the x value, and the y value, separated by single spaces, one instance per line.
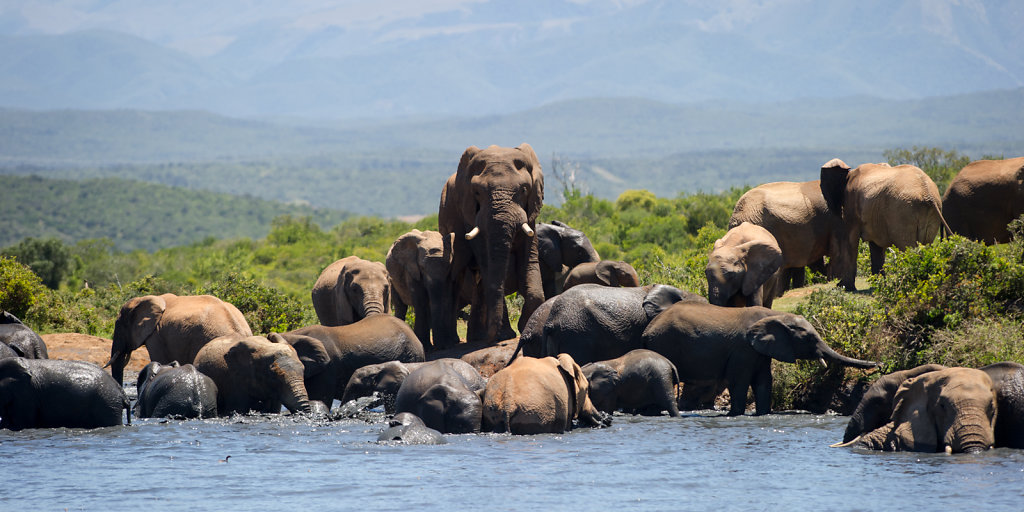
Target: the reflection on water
pixel 697 462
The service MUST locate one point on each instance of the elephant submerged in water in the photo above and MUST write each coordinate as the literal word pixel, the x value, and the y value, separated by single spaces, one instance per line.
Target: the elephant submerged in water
pixel 47 393
pixel 439 394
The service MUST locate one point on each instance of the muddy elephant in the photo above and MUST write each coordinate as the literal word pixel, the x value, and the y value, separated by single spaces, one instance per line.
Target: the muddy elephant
pixel 710 344
pixel 560 248
pixel 984 197
pixel 591 322
pixel 172 328
pixel 604 273
pixel 175 391
pixel 351 289
pixel 330 355
pixel 537 396
pixel 20 338
pixel 254 373
pixel 799 218
pixel 491 205
pixel 640 382
pixel 883 205
pixel 407 428
pixel 419 265
pixel 951 410
pixel 47 393
pixel 442 397
pixel 384 379
pixel 739 265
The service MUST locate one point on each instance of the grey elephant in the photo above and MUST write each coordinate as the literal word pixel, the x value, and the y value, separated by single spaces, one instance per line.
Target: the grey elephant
pixel 445 400
pixel 537 396
pixel 604 273
pixel 46 393
pixel 561 248
pixel 641 381
pixel 419 265
pixel 491 204
pixel 254 374
pixel 172 328
pixel 20 338
pixel 351 289
pixel 407 428
pixel 800 219
pixel 591 322
pixel 951 410
pixel 175 391
pixel 7 352
pixel 330 355
pixel 883 205
pixel 710 344
pixel 984 197
pixel 384 379
pixel 739 265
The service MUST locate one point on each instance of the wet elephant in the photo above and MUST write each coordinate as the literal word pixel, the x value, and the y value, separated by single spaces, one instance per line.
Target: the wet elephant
pixel 442 397
pixel 491 204
pixel 20 338
pixel 407 428
pixel 175 391
pixel 384 379
pixel 642 381
pixel 47 393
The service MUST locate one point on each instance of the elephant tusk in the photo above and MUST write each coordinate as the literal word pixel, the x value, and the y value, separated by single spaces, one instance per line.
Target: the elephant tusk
pixel 527 230
pixel 949 450
pixel 823 362
pixel 472 234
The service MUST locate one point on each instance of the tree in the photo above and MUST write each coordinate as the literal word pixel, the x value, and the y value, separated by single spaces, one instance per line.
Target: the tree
pixel 50 259
pixel 940 165
pixel 19 287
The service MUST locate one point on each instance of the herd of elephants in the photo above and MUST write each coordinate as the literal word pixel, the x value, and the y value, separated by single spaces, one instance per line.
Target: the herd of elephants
pixel 638 345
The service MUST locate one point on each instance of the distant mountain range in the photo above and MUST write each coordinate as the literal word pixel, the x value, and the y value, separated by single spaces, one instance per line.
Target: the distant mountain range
pixel 468 58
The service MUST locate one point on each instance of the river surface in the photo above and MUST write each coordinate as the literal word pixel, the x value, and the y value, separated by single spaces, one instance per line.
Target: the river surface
pixel 696 462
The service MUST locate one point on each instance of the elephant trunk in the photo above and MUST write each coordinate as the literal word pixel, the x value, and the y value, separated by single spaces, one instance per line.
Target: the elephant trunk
pixel 374 304
pixel 499 247
pixel 826 352
pixel 119 353
pixel 293 391
pixel 971 433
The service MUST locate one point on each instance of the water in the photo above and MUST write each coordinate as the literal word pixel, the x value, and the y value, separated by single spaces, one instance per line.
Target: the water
pixel 697 462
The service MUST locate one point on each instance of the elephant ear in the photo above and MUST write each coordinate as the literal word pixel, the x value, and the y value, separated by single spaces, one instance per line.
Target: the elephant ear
pixel 660 298
pixel 914 426
pixel 549 245
pixel 763 260
pixel 834 174
pixel 576 384
pixel 605 271
pixel 398 260
pixel 770 336
pixel 145 314
pixel 536 198
pixel 312 353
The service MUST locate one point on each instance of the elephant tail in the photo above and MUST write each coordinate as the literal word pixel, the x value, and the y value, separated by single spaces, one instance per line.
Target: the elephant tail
pixel 946 230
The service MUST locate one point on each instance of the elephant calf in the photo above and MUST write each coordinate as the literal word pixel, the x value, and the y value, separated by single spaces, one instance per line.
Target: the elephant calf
pixel 740 264
pixel 445 400
pixel 46 393
pixel 174 391
pixel 254 374
pixel 604 273
pixel 641 381
pixel 386 378
pixel 21 338
pixel 407 428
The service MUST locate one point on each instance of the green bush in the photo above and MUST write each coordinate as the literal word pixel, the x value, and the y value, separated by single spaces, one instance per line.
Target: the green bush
pixel 19 287
pixel 266 309
pixel 50 259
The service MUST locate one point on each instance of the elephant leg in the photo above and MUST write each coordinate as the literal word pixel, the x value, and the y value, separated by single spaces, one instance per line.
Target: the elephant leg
pixel 738 387
pixel 877 257
pixel 421 304
pixel 401 308
pixel 798 277
pixel 763 391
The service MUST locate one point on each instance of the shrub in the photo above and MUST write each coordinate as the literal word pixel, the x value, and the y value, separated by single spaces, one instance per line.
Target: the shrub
pixel 19 287
pixel 50 259
pixel 977 343
pixel 266 309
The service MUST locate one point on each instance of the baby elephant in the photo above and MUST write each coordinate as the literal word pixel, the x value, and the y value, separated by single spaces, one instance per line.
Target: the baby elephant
pixel 604 272
pixel 174 391
pixel 47 393
pixel 385 379
pixel 442 397
pixel 642 381
pixel 407 428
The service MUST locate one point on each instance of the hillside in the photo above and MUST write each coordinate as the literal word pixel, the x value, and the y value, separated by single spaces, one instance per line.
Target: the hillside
pixel 135 215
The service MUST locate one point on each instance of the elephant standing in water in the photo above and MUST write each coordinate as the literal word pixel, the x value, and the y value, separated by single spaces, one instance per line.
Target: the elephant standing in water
pixel 604 273
pixel 709 344
pixel 172 328
pixel 491 205
pixel 561 248
pixel 254 374
pixel 351 289
pixel 48 393
pixel 953 409
pixel 886 206
pixel 176 391
pixel 642 381
pixel 984 197
pixel 21 338
pixel 419 264
pixel 740 264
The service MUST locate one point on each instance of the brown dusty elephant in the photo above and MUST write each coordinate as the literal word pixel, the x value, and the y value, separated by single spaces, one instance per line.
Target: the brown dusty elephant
pixel 351 289
pixel 491 205
pixel 537 396
pixel 875 407
pixel 419 264
pixel 254 374
pixel 952 409
pixel 984 197
pixel 331 355
pixel 710 344
pixel 604 272
pixel 886 206
pixel 799 218
pixel 642 382
pixel 740 264
pixel 172 328
pixel 560 248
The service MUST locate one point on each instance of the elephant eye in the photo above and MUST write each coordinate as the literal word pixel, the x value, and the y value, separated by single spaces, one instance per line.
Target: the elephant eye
pixel 520 164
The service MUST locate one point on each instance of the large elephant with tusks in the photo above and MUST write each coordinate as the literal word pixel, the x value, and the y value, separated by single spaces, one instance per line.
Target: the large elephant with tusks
pixel 491 204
